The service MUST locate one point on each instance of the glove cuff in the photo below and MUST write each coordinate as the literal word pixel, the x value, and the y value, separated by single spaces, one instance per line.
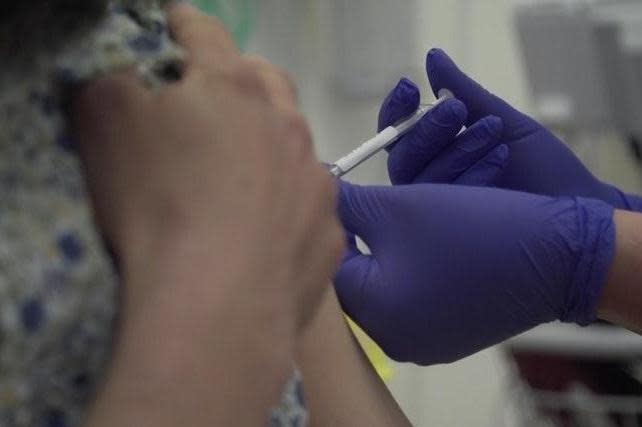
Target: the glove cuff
pixel 622 200
pixel 596 234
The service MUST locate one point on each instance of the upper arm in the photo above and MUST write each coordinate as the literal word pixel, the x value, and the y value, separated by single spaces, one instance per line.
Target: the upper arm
pixel 341 386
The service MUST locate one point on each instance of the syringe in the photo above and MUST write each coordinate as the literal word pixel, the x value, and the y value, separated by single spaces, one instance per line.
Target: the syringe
pixel 384 138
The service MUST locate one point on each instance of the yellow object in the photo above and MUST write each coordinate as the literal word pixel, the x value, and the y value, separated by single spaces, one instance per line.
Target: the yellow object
pixel 377 357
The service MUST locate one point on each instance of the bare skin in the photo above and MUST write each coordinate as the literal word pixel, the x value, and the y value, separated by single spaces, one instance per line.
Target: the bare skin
pixel 341 386
pixel 621 302
pixel 170 366
pixel 225 225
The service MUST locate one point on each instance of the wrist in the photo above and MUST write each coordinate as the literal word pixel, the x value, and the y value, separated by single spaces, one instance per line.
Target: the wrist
pixel 621 300
pixel 595 231
pixel 621 200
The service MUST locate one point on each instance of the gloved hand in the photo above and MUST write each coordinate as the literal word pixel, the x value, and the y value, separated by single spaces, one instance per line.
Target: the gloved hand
pixel 474 157
pixel 456 269
pixel 539 162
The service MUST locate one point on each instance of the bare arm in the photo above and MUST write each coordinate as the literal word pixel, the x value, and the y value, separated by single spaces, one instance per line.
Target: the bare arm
pixel 189 354
pixel 621 302
pixel 193 185
pixel 341 386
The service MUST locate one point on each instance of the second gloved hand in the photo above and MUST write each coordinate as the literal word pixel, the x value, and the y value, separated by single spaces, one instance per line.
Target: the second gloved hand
pixel 472 157
pixel 457 269
pixel 539 162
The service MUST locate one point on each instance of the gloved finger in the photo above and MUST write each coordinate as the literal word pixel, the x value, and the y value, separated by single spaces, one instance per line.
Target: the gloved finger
pixel 357 284
pixel 472 145
pixel 362 208
pixel 486 170
pixel 352 214
pixel 401 102
pixel 352 250
pixel 435 131
pixel 444 74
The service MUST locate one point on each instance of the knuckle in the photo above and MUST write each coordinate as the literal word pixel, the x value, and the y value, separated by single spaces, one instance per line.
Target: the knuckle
pixel 295 139
pixel 288 84
pixel 247 79
pixel 264 67
pixel 255 61
pixel 179 16
pixel 274 76
pixel 297 127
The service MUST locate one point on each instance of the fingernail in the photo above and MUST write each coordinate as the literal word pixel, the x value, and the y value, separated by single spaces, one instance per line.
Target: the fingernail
pixel 405 89
pixel 499 156
pixel 494 126
pixel 485 133
pixel 476 144
pixel 502 153
pixel 457 110
pixel 433 54
pixel 435 51
pixel 448 113
pixel 437 60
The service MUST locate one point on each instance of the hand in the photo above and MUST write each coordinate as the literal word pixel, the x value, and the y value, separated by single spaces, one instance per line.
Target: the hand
pixel 224 156
pixel 539 162
pixel 224 221
pixel 457 269
pixel 474 157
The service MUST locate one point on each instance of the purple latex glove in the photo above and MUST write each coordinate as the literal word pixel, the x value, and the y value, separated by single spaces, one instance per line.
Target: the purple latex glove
pixel 456 269
pixel 539 162
pixel 475 157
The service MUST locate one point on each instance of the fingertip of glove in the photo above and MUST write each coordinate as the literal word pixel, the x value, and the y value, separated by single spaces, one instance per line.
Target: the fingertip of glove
pixel 457 109
pixel 347 197
pixel 450 112
pixel 435 53
pixel 436 59
pixel 406 95
pixel 502 152
pixel 494 126
pixel 498 157
pixel 406 87
pixel 400 102
pixel 344 188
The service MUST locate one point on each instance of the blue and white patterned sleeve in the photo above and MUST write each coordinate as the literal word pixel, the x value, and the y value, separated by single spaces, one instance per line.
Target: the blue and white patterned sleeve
pixel 58 284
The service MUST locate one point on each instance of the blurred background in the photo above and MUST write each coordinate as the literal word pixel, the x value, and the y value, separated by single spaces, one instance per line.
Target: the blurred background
pixel 577 67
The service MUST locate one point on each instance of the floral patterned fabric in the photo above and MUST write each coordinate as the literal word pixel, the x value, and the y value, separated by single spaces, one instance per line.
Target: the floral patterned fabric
pixel 58 285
